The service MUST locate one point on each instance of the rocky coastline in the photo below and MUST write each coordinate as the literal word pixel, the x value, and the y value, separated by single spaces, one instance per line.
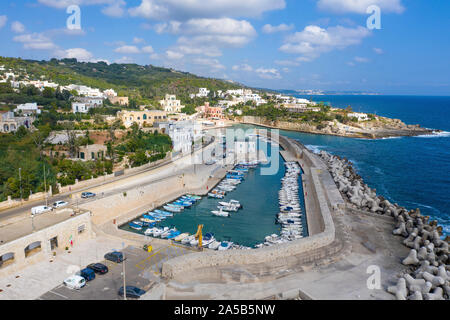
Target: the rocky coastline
pixel 427 271
pixel 390 128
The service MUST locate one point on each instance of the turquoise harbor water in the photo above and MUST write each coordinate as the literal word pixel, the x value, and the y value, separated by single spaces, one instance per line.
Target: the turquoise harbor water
pixel 258 194
pixel 411 171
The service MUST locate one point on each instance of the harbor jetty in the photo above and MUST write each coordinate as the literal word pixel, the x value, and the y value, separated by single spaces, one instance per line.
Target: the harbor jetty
pixel 427 272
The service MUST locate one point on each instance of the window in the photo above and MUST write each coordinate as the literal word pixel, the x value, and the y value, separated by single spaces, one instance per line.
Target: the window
pixel 6 259
pixel 82 155
pixel 32 249
pixel 92 155
pixel 144 117
pixel 81 229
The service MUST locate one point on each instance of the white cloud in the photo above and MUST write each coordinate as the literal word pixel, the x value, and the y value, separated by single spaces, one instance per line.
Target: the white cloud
pixel 3 20
pixel 138 40
pixel 17 27
pixel 184 10
pixel 35 41
pixel 207 36
pixel 172 55
pixel 148 49
pixel 360 6
pixel 78 53
pixel 213 64
pixel 264 73
pixel 268 73
pixel 128 50
pixel 243 67
pixel 361 59
pixel 287 63
pixel 314 40
pixel 378 50
pixel 125 60
pixel 268 28
pixel 115 9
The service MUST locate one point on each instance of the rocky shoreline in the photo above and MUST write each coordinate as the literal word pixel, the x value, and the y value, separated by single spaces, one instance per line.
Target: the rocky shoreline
pixel 427 270
pixel 363 132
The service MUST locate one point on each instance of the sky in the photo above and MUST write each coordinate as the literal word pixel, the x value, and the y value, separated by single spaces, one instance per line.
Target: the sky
pixel 383 46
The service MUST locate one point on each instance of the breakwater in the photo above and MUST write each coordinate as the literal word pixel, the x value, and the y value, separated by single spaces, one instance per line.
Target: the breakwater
pixel 426 274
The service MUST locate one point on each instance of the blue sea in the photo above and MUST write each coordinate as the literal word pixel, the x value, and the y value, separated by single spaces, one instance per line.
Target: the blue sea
pixel 411 171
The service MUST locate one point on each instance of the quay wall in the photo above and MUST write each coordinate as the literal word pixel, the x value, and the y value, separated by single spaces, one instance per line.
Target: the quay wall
pixel 310 249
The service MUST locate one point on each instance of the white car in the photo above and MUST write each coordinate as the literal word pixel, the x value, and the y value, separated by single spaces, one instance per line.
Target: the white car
pixel 40 210
pixel 60 204
pixel 75 282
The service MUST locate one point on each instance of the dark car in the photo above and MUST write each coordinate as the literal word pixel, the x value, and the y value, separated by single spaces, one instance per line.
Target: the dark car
pixel 132 292
pixel 114 257
pixel 88 274
pixel 98 268
pixel 86 195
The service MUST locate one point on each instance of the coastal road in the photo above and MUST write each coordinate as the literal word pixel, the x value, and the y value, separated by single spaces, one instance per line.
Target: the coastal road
pixel 119 184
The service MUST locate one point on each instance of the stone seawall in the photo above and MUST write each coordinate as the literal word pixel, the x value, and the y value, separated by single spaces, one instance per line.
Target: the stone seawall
pixel 268 260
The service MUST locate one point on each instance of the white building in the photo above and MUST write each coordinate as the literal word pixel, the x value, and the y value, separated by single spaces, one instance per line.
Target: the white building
pixel 10 123
pixel 84 104
pixel 359 116
pixel 183 134
pixel 80 107
pixel 202 93
pixel 171 104
pixel 110 93
pixel 28 109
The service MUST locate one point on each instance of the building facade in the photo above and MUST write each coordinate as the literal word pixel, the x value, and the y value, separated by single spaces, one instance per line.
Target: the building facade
pixel 144 118
pixel 10 123
pixel 170 104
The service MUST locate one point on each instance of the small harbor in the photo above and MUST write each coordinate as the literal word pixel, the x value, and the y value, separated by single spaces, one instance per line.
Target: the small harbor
pixel 245 210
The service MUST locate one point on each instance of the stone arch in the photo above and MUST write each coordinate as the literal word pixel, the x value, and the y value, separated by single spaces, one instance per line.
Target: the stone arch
pixel 33 248
pixel 5 128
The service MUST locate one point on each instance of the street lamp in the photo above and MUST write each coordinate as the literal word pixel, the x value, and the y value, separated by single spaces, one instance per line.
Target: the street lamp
pixel 20 184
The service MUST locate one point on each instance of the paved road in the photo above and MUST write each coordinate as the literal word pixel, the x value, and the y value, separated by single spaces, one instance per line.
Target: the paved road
pixel 74 199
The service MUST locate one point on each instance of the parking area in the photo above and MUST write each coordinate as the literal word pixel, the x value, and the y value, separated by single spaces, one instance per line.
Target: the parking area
pixel 142 269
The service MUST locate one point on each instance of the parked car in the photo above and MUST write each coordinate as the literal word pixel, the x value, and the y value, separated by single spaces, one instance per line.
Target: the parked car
pixel 40 210
pixel 98 268
pixel 75 282
pixel 132 292
pixel 87 274
pixel 114 256
pixel 87 195
pixel 59 204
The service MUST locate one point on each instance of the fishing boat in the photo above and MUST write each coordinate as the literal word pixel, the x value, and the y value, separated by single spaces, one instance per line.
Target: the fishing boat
pixel 147 220
pixel 187 240
pixel 208 238
pixel 172 209
pixel 181 237
pixel 220 213
pixel 215 196
pixel 135 226
pixel 173 234
pixel 167 233
pixel 228 208
pixel 149 231
pixel 214 245
pixel 194 197
pixel 176 206
pixel 225 245
pixel 233 203
pixel 165 213
pixel 159 231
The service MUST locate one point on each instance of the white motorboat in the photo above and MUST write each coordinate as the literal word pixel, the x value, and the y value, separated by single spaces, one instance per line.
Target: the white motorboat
pixel 149 231
pixel 187 240
pixel 158 231
pixel 220 213
pixel 165 234
pixel 214 245
pixel 225 245
pixel 180 237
